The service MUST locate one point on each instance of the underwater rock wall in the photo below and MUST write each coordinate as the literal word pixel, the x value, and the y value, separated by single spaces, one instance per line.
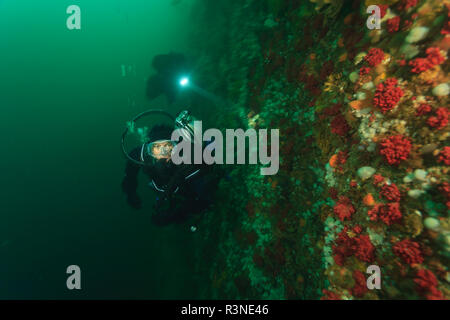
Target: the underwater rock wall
pixel 364 155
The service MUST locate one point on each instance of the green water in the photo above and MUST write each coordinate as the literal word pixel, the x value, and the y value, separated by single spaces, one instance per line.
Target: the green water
pixel 64 103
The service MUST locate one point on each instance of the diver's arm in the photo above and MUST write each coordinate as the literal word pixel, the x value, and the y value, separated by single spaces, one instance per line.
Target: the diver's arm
pixel 179 177
pixel 130 181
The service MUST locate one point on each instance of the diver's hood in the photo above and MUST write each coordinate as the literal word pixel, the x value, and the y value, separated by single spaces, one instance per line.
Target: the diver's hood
pixel 161 149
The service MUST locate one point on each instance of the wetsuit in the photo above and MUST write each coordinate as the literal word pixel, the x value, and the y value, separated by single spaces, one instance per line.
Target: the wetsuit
pixel 182 190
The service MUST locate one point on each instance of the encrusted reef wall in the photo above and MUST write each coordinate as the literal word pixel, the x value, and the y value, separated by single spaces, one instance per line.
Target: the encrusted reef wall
pixel 363 119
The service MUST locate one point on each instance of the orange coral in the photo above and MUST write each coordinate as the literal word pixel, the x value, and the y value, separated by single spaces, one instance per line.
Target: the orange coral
pixel 369 200
pixel 333 161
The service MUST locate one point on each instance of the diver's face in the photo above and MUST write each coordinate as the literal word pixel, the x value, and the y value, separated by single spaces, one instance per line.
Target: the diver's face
pixel 161 149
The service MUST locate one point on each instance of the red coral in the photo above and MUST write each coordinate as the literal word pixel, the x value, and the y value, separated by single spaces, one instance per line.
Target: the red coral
pixel 383 10
pixel 423 109
pixel 420 65
pixel 363 71
pixel 344 208
pixel 409 251
pixel 445 190
pixel 434 58
pixel 393 24
pixel 344 247
pixel 426 285
pixel 435 294
pixel 440 120
pixel 365 251
pixel 388 213
pixel 360 287
pixel 378 179
pixel 339 126
pixel 395 149
pixel 373 213
pixel 374 57
pixel 407 25
pixel 387 95
pixel 406 4
pixel 425 279
pixel 342 157
pixel 444 156
pixel 357 229
pixel 390 192
pixel 446 29
pixel 329 295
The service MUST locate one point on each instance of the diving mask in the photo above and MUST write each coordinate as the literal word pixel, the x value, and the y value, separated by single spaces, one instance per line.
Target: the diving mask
pixel 160 149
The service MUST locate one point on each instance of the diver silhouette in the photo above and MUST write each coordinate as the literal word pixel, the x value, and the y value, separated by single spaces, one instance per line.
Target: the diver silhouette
pixel 169 68
pixel 183 190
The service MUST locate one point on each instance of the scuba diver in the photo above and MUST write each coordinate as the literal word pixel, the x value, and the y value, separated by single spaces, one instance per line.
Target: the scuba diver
pixel 183 190
pixel 168 68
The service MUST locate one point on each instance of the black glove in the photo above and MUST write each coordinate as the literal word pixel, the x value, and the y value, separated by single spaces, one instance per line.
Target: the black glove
pixel 134 201
pixel 129 184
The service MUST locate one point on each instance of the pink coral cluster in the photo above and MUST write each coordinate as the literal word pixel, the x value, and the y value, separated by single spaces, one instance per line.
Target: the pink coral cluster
pixel 387 95
pixel 395 149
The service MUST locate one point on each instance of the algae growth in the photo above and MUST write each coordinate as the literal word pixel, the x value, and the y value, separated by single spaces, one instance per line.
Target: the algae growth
pixel 363 180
